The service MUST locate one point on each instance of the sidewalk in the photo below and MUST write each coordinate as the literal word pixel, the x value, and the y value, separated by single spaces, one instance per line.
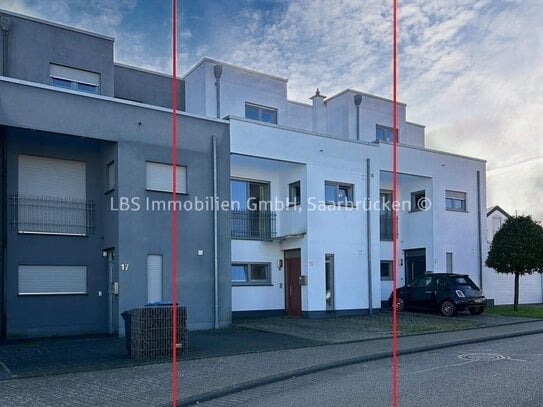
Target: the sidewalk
pixel 202 379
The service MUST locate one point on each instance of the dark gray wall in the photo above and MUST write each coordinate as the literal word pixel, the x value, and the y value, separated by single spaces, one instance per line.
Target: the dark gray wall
pixel 146 232
pixel 143 133
pixel 147 87
pixel 38 315
pixel 33 45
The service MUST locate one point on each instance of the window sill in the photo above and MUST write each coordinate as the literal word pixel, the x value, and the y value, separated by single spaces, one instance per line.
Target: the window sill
pixel 252 285
pixel 345 205
pixel 166 192
pixel 456 210
pixel 27 232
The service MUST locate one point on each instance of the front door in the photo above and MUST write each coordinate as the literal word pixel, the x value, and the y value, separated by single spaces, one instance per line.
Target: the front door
pixel 293 289
pixel 415 264
pixel 113 292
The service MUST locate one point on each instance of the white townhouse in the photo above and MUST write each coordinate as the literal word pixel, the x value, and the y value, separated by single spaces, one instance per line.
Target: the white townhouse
pixel 317 249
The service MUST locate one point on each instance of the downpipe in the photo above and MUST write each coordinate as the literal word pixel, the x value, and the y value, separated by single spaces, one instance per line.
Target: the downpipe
pixel 215 236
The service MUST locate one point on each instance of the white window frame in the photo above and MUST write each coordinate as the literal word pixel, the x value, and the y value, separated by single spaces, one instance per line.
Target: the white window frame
pixel 162 180
pixel 75 77
pixel 456 196
pixel 248 281
pixel 415 199
pixel 388 129
pixel 155 283
pixel 338 186
pixel 260 109
pixel 294 200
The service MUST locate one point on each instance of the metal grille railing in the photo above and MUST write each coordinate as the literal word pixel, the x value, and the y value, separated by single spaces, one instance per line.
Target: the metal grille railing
pixel 39 214
pixel 386 226
pixel 257 225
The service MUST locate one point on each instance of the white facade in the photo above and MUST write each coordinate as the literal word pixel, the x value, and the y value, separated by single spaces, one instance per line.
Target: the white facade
pixel 319 143
pixel 501 287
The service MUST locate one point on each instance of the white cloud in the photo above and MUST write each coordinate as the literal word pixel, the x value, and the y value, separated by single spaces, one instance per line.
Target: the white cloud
pixel 469 70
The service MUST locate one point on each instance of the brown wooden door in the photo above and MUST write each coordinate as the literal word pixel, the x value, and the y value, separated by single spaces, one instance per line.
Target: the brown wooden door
pixel 293 292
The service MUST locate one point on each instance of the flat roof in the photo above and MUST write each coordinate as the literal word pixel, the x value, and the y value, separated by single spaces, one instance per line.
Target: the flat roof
pixel 231 66
pixel 58 25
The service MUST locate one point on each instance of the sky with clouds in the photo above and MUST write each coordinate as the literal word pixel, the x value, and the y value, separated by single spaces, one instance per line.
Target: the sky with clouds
pixel 470 70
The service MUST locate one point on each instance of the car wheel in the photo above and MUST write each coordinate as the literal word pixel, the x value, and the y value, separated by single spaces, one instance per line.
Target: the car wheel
pixel 448 308
pixel 477 311
pixel 400 304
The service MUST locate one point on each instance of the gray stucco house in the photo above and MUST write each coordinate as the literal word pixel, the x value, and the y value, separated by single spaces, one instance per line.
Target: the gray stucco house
pixel 85 162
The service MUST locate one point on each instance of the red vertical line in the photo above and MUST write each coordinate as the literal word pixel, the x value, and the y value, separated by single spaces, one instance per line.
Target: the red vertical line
pixel 174 199
pixel 394 206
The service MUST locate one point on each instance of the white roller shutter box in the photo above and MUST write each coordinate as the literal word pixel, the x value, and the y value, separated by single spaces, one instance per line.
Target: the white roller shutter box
pixel 154 278
pixel 159 177
pixel 51 177
pixel 77 75
pixel 51 196
pixel 35 280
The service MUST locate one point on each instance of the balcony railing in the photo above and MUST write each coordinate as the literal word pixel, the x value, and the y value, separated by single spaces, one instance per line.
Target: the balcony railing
pixel 52 215
pixel 256 225
pixel 386 225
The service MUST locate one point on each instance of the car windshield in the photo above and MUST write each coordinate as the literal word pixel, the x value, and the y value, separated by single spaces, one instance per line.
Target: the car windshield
pixel 461 280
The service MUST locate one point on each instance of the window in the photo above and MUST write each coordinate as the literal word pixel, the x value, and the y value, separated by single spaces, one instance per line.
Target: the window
pixel 251 217
pixel 159 177
pixel 294 193
pixel 75 79
pixel 52 197
pixel 423 282
pixel 386 270
pixel 449 262
pixel 496 225
pixel 418 201
pixel 329 281
pixel 338 194
pixel 49 280
pixel 154 278
pixel 386 213
pixel 251 274
pixel 455 201
pixel 261 113
pixel 441 282
pixel 110 172
pixel 384 133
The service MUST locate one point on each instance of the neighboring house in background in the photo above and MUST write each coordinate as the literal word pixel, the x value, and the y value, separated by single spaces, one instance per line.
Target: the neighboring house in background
pixel 336 150
pixel 79 133
pixel 501 287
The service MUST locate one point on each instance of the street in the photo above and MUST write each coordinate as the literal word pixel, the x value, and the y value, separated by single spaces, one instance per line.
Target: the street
pixel 495 373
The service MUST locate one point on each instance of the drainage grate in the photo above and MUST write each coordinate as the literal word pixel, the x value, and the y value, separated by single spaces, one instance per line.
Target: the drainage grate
pixel 482 357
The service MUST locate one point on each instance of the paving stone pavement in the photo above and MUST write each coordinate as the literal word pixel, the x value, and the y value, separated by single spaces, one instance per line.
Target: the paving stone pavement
pixel 150 385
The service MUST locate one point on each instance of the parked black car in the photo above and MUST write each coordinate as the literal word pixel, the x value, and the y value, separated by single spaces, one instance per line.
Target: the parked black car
pixel 446 293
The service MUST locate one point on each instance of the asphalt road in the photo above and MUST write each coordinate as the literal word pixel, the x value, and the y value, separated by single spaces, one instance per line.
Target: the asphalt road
pixel 496 373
